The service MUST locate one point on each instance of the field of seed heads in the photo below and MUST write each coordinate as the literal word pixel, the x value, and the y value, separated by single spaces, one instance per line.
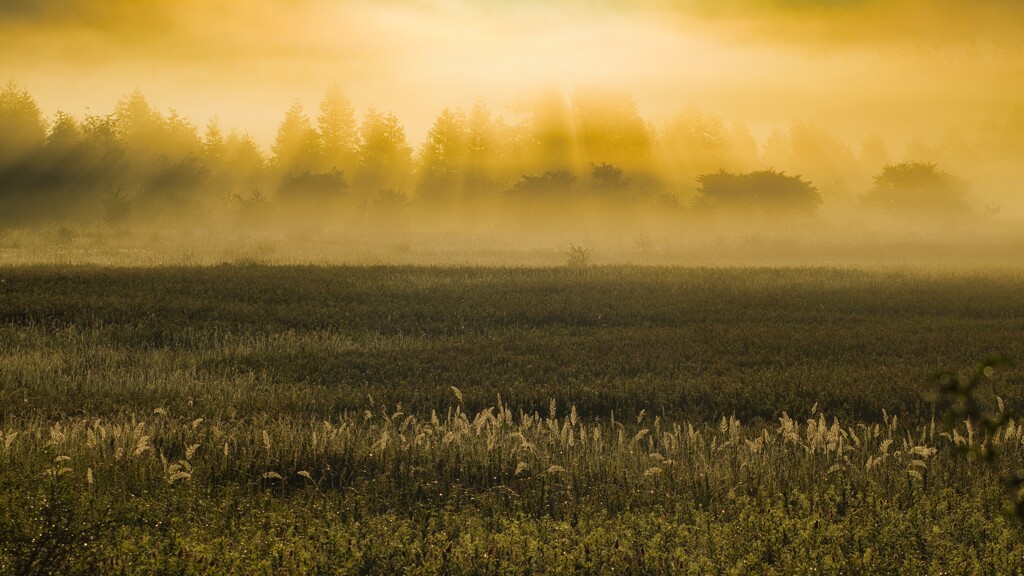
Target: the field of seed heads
pixel 269 420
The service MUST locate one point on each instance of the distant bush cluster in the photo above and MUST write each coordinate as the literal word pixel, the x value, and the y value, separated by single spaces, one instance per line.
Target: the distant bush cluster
pixel 137 162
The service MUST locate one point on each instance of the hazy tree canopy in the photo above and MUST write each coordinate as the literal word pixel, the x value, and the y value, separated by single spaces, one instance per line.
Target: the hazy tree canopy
pixel 551 185
pixel 698 142
pixel 873 152
pixel 312 190
pixel 812 149
pixel 608 182
pixel 482 134
pixel 385 158
pixel 514 151
pixel 490 151
pixel 1005 132
pixel 22 129
pixel 766 191
pixel 175 182
pixel 102 161
pixel 387 201
pixel 242 155
pixel 443 158
pixel 227 177
pixel 297 144
pixel 65 134
pixel 214 142
pixel 179 136
pixel 551 131
pixel 609 128
pixel 446 143
pixel 102 131
pixel 918 189
pixel 161 163
pixel 151 139
pixel 339 132
pixel 138 125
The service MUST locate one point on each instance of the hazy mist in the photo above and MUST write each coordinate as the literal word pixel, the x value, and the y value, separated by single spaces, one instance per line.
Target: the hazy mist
pixel 900 68
pixel 654 93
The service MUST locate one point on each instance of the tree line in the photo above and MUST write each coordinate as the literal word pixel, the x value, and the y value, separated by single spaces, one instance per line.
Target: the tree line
pixel 138 162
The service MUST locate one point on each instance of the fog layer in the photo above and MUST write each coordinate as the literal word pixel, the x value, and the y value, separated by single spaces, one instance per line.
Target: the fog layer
pixel 877 121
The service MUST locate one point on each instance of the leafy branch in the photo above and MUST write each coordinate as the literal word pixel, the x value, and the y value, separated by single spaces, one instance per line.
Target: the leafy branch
pixel 960 395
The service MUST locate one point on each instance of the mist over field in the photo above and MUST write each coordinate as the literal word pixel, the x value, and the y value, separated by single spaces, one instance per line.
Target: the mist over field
pixel 488 132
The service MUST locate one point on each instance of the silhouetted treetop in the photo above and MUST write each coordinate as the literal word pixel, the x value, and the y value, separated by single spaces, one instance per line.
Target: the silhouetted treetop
pixel 312 189
pixel 444 149
pixel 481 136
pixel 443 157
pixel 550 128
pixel 176 181
pixel 766 191
pixel 214 143
pixel 918 189
pixel 65 134
pixel 22 129
pixel 697 142
pixel 811 148
pixel 607 179
pixel 590 150
pixel 297 144
pixel 609 127
pixel 137 121
pixel 339 132
pixel 551 185
pixel 385 157
pixel 179 136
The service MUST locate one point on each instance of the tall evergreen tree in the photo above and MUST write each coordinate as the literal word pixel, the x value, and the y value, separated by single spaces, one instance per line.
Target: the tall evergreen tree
pixel 385 157
pixel 339 132
pixel 214 142
pixel 23 129
pixel 297 144
pixel 609 128
pixel 138 124
pixel 443 158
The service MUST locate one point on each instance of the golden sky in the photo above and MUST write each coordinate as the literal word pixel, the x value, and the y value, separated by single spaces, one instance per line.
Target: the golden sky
pixel 898 68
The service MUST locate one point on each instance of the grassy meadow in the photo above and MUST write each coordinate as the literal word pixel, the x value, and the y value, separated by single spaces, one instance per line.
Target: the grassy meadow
pixel 255 419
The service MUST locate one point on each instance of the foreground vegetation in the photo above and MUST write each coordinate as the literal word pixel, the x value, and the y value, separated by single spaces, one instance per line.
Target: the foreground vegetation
pixel 422 420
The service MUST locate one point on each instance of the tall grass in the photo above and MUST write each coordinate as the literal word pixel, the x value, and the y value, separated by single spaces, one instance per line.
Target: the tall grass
pixel 498 468
pixel 365 421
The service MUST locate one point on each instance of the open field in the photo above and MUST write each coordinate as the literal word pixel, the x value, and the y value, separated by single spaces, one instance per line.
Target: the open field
pixel 255 419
